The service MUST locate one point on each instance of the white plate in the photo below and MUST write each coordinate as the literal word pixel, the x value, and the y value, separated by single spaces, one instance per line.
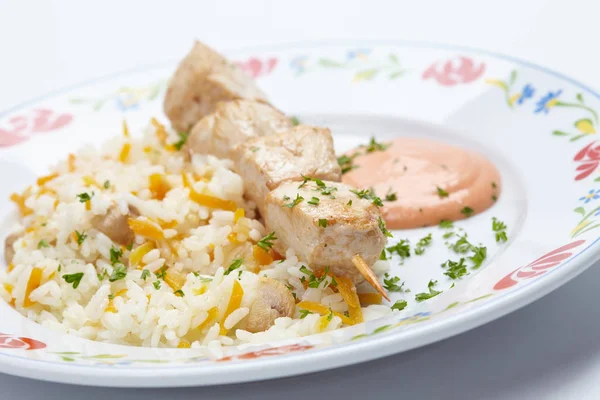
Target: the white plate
pixel 537 126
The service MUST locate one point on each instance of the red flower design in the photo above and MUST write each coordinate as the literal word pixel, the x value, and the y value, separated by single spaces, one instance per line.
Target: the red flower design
pixel 273 351
pixel 14 342
pixel 589 159
pixel 37 121
pixel 538 267
pixel 452 72
pixel 255 67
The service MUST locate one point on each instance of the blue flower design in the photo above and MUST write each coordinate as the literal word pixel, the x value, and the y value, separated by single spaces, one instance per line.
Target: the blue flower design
pixel 547 102
pixel 592 195
pixel 360 54
pixel 299 64
pixel 127 100
pixel 526 93
pixel 597 212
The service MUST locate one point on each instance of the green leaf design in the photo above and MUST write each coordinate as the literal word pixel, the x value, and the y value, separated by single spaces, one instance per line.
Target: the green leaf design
pixel 597 179
pixel 381 329
pixel 362 335
pixel 393 58
pixel 365 75
pixel 452 305
pixel 396 74
pixel 560 133
pixel 581 210
pixel 587 228
pixel 98 105
pixel 513 77
pixel 326 62
pixel 151 361
pixel 105 356
pixel 77 101
pixel 485 296
pixel 574 138
pixel 580 98
pixel 65 353
pixel 69 359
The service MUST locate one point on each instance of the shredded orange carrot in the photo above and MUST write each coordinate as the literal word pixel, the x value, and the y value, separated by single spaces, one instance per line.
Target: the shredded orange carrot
pixel 158 185
pixel 170 147
pixel 348 292
pixel 366 299
pixel 56 203
pixel 71 162
pixel 124 154
pixel 161 132
pixel 11 266
pixel 147 149
pixel 19 200
pixel 88 205
pixel 111 306
pixel 44 179
pixel 232 237
pixel 34 281
pixel 207 200
pixel 323 310
pixel 184 344
pixel 146 227
pixel 9 288
pixel 261 256
pixel 30 229
pixel 323 322
pixel 125 129
pixel 237 293
pixel 200 290
pixel 46 190
pixel 90 181
pixel 136 255
pixel 239 213
pixel 213 313
pixel 175 280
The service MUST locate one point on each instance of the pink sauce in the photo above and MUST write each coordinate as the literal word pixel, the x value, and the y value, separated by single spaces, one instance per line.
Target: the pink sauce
pixel 433 181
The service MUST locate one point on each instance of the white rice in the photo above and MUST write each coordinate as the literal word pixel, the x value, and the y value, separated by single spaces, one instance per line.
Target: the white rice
pixel 199 246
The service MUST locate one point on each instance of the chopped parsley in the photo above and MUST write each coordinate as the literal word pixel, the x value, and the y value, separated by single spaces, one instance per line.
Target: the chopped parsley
pixel 479 255
pixel 368 194
pixel 115 255
pixel 426 296
pixel 494 186
pixel 314 201
pixel 119 272
pixel 183 137
pixel 391 283
pixel 383 255
pixel 448 235
pixel 304 313
pixel 399 305
pixel 422 243
pixel 145 274
pixel 59 267
pixel 322 222
pixel 42 243
pixel 267 242
pixel 446 224
pixel 106 184
pixel 441 192
pixel 81 236
pixel 494 198
pixel 391 196
pixel 156 285
pixel 455 270
pixel 374 146
pixel 84 197
pixel 349 203
pixel 179 293
pixel 75 279
pixel 313 280
pixel 499 228
pixel 295 121
pixel 402 248
pixel 467 211
pixel 295 202
pixel 383 229
pixel 129 246
pixel 234 265
pixel 255 149
pixel 330 315
pixel 462 245
pixel 103 275
pixel 111 296
pixel 160 274
pixel 347 163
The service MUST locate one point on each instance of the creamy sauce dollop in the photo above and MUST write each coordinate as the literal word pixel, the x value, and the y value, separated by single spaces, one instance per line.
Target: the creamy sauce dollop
pixel 432 181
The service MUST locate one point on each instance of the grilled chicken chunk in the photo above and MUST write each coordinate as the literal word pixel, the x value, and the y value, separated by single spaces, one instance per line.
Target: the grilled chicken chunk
pixel 114 224
pixel 232 123
pixel 202 79
pixel 326 224
pixel 265 162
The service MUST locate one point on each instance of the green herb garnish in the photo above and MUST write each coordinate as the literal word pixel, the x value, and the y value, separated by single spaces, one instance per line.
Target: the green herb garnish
pixel 349 203
pixel 42 243
pixel 183 137
pixel 295 202
pixel 399 305
pixel 295 121
pixel 479 255
pixel 499 228
pixel 446 224
pixel 179 293
pixel 234 265
pixel 156 285
pixel 119 272
pixel 267 242
pixel 467 211
pixel 455 270
pixel 81 236
pixel 304 313
pixel 75 279
pixel 422 243
pixel 106 184
pixel 84 197
pixel 314 201
pixel 432 292
pixel 402 248
pixel 374 146
pixel 441 192
pixel 322 222
pixel 346 162
pixel 391 283
pixel 115 255
pixel 160 274
pixel 145 274
pixel 383 229
pixel 103 275
pixel 391 196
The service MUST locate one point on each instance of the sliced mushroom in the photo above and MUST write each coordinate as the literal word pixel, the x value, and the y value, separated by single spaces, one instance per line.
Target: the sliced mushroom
pixel 114 224
pixel 9 251
pixel 273 300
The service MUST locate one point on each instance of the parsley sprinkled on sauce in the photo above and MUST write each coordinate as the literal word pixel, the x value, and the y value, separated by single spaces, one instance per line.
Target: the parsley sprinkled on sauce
pixel 347 162
pixel 422 243
pixel 267 242
pixel 75 279
pixel 391 196
pixel 499 228
pixel 455 270
pixel 304 313
pixel 119 272
pixel 81 236
pixel 494 198
pixel 494 186
pixel 322 222
pixel 295 202
pixel 179 293
pixel 106 184
pixel 467 211
pixel 445 224
pixel 295 121
pixel 441 192
pixel 145 274
pixel 115 255
pixel 235 264
pixel 84 197
pixel 183 137
pixel 426 296
pixel 42 243
pixel 314 201
pixel 402 248
pixel 383 229
pixel 156 285
pixel 374 146
pixel 391 283
pixel 399 305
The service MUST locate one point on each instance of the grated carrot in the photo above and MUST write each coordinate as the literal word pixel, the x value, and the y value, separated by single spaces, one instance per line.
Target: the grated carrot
pixel 237 293
pixel 125 129
pixel 34 281
pixel 323 322
pixel 175 280
pixel 158 185
pixel 232 237
pixel 124 154
pixel 11 266
pixel 71 162
pixel 111 306
pixel 90 181
pixel 146 228
pixel 147 149
pixel 239 213
pixel 88 205
pixel 184 344
pixel 19 200
pixel 200 290
pixel 136 255
pixel 9 288
pixel 212 316
pixel 161 132
pixel 366 299
pixel 46 190
pixel 323 310
pixel 348 292
pixel 261 256
pixel 44 179
pixel 207 200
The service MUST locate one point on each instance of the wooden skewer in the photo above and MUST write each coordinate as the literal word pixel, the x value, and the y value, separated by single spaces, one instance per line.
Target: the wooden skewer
pixel 369 275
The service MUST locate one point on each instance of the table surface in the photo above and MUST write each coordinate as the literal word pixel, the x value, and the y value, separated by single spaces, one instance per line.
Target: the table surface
pixel 529 354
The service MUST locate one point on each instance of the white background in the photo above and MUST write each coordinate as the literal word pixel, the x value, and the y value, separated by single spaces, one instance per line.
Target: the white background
pixel 550 349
